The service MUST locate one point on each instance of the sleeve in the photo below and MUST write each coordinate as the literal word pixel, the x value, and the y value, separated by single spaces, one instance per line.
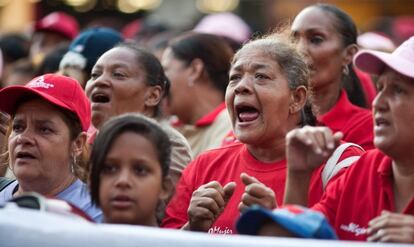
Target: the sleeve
pixel 330 199
pixel 176 212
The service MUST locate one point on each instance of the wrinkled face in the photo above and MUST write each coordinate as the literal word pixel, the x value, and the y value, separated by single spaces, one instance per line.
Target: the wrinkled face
pixel 258 98
pixel 39 144
pixel 178 73
pixel 117 85
pixel 318 38
pixel 393 113
pixel 131 181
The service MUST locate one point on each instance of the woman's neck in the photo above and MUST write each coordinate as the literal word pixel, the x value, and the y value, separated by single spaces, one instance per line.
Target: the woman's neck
pixel 270 153
pixel 205 101
pixel 325 97
pixel 44 187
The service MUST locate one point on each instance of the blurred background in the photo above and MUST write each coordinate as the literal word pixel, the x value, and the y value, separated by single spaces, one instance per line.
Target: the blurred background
pixel 260 15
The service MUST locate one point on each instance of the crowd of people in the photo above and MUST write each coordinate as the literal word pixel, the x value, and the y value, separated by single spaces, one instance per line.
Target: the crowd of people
pixel 295 133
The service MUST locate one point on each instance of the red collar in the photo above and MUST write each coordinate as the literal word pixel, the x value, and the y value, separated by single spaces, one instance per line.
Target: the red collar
pixel 211 116
pixel 339 115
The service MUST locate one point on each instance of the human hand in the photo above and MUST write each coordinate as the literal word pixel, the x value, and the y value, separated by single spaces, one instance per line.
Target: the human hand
pixel 308 147
pixel 207 203
pixel 256 193
pixel 391 227
pixel 4 119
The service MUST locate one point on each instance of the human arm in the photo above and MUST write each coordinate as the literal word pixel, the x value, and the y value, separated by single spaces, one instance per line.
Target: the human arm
pixel 306 149
pixel 391 227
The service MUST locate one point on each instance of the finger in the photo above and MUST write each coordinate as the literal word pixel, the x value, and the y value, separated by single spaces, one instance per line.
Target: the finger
pixel 329 139
pixel 390 220
pixel 200 213
pixel 338 136
pixel 259 190
pixel 249 200
pixel 206 203
pixel 246 179
pixel 209 193
pixel 396 234
pixel 228 191
pixel 242 207
pixel 214 185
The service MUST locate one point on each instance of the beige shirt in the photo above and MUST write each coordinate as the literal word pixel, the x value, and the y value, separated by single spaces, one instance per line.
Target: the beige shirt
pixel 202 138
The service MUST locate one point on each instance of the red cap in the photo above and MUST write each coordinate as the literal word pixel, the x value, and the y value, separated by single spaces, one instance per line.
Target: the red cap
pixel 59 22
pixel 59 90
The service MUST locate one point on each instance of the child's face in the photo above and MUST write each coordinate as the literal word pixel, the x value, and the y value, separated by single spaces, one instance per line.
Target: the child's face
pixel 131 181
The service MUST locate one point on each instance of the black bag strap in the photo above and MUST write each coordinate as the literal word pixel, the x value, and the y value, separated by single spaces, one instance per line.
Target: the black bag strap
pixel 4 182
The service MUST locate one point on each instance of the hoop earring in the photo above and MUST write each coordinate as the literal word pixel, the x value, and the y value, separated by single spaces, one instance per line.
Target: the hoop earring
pixel 345 70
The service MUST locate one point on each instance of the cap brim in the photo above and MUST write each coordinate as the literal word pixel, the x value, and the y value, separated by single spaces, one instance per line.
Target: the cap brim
pixel 251 221
pixel 12 95
pixel 374 62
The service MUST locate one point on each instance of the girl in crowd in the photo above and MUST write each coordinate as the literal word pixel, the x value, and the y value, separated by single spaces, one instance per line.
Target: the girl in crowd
pixel 130 159
pixel 46 139
pixel 265 99
pixel 197 65
pixel 327 37
pixel 374 199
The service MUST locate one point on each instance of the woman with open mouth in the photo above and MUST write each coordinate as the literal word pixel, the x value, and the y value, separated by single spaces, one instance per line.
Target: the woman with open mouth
pixel 374 199
pixel 46 140
pixel 266 97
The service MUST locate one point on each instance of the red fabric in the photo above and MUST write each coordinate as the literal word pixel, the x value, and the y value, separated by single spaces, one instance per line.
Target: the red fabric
pixel 210 117
pixel 206 120
pixel 56 89
pixel 225 165
pixel 59 22
pixel 360 195
pixel 367 85
pixel 354 122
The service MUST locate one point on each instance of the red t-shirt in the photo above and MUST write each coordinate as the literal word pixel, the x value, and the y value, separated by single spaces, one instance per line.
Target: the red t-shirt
pixel 354 122
pixel 360 195
pixel 225 165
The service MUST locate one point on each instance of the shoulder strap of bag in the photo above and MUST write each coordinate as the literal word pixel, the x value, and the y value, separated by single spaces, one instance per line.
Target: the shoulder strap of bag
pixel 332 167
pixel 4 182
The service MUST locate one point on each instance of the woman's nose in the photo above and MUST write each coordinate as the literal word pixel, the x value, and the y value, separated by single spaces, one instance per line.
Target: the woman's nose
pixel 243 87
pixel 25 137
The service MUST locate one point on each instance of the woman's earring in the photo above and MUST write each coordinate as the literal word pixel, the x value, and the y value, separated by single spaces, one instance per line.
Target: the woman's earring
pixel 345 70
pixel 72 167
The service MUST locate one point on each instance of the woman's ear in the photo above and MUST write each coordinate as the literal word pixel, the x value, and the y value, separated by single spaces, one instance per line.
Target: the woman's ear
pixel 349 53
pixel 196 69
pixel 78 144
pixel 153 96
pixel 167 189
pixel 298 99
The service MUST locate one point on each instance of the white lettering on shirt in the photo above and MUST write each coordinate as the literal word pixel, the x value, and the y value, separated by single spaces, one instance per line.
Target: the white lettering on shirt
pixel 218 230
pixel 354 228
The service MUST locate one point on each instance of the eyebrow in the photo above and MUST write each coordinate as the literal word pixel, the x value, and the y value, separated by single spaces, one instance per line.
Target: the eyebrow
pixel 254 66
